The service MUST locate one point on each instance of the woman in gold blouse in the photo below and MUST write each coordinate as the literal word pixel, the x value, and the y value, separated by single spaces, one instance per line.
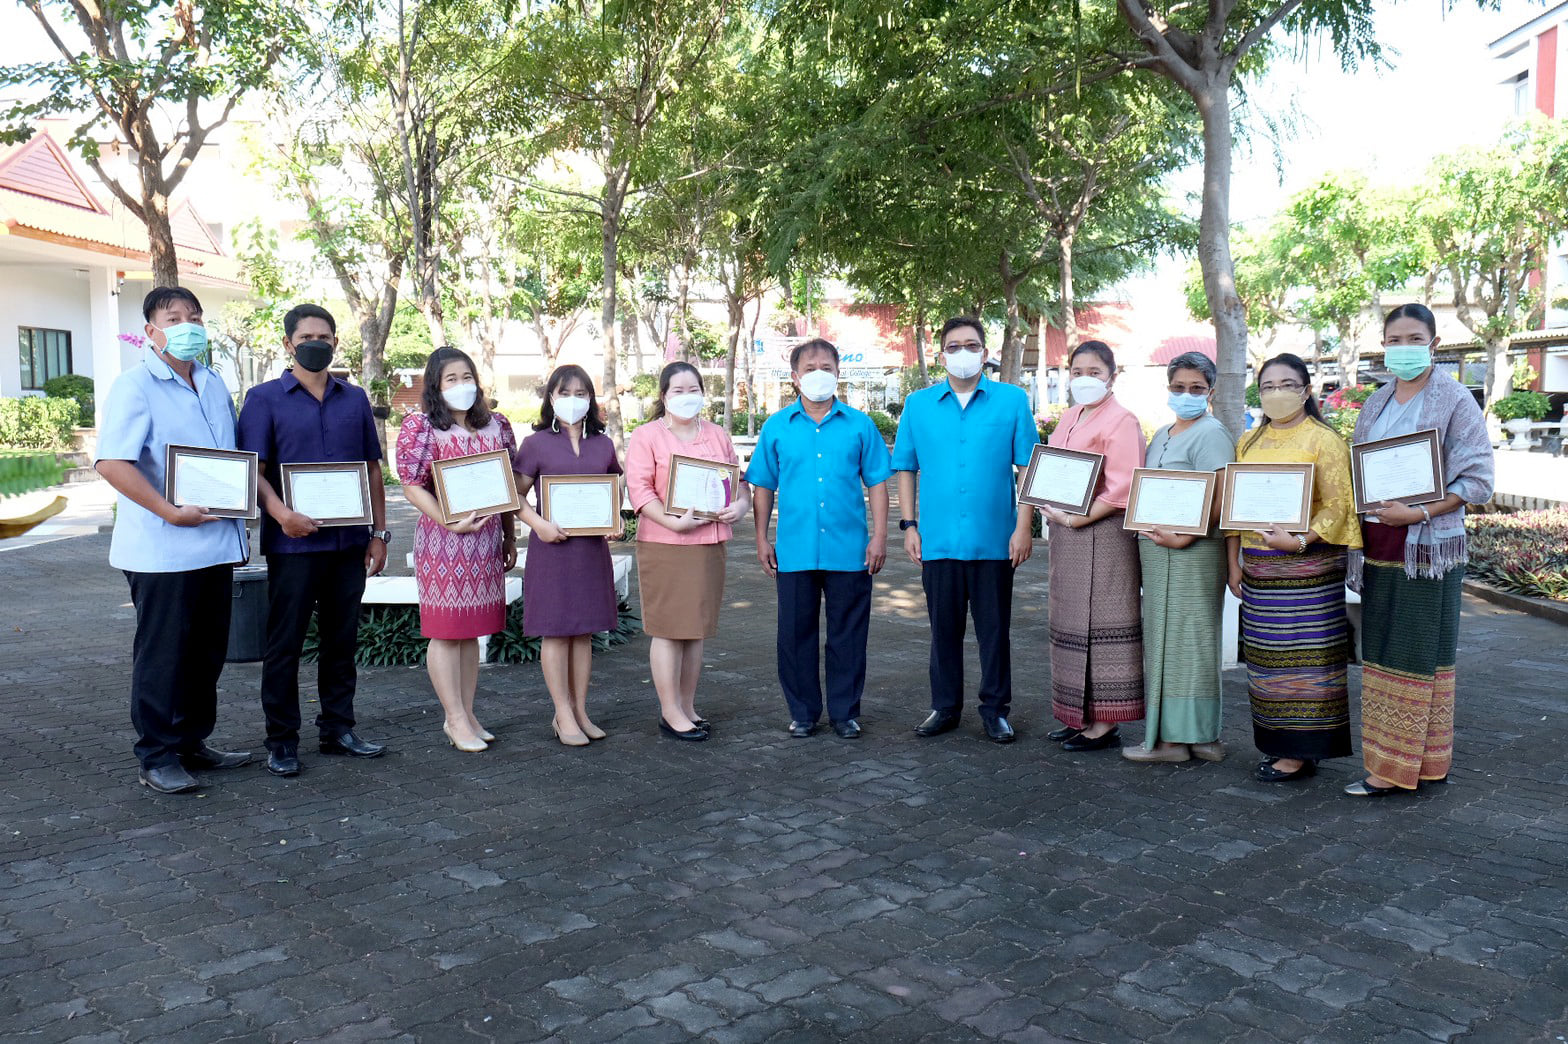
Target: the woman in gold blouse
pixel 1294 635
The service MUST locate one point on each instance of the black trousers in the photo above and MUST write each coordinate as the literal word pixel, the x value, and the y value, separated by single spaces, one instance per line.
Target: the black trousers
pixel 848 597
pixel 182 636
pixel 984 589
pixel 330 583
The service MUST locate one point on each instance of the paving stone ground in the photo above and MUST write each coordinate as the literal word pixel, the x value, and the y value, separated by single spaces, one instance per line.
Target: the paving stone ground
pixel 756 887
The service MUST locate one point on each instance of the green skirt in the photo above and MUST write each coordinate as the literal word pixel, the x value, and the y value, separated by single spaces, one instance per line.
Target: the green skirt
pixel 1183 598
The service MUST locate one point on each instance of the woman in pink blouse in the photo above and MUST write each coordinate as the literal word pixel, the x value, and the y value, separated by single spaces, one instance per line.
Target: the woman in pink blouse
pixel 680 558
pixel 1095 618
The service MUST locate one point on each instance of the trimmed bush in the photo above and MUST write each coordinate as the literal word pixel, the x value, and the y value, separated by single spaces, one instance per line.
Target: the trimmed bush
pixel 1526 553
pixel 1522 405
pixel 73 386
pixel 36 422
pixel 885 424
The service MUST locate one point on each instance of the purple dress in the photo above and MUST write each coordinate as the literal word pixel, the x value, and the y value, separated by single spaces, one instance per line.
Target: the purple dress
pixel 568 588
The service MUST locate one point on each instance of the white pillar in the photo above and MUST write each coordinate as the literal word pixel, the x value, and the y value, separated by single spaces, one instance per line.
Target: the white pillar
pixel 104 324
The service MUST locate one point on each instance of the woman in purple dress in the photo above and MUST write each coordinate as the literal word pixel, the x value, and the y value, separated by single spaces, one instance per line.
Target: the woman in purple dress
pixel 568 581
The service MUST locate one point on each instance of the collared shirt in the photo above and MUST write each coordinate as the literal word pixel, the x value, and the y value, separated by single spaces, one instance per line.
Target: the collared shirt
pixel 818 469
pixel 648 454
pixel 285 424
pixel 150 407
pixel 965 456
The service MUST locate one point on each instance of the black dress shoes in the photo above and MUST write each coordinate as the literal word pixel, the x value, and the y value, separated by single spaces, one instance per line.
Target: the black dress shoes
pixel 847 729
pixel 210 758
pixel 997 730
pixel 802 729
pixel 702 723
pixel 690 735
pixel 167 779
pixel 1066 732
pixel 283 762
pixel 1267 773
pixel 352 745
pixel 937 723
pixel 1081 742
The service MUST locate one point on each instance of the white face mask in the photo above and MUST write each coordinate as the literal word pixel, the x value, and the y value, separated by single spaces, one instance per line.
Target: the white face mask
pixel 1087 391
pixel 460 396
pixel 965 364
pixel 569 409
pixel 685 406
pixel 819 385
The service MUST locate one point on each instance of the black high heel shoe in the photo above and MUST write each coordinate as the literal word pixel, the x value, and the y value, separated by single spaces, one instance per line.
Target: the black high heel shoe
pixel 690 735
pixel 1267 773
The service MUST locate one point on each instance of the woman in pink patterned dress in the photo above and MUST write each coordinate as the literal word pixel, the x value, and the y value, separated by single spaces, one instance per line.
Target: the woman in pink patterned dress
pixel 461 567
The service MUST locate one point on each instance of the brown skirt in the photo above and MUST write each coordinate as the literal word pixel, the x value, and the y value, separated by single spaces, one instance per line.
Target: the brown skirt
pixel 682 586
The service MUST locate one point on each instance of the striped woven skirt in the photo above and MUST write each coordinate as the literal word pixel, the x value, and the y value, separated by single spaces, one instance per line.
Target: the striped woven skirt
pixel 1296 642
pixel 1183 600
pixel 1409 642
pixel 1096 629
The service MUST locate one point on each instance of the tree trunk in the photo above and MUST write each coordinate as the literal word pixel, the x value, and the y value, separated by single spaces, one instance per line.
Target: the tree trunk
pixel 1012 349
pixel 609 226
pixel 751 381
pixel 160 236
pixel 1214 258
pixel 1069 306
pixel 1499 375
pixel 920 347
pixel 683 310
pixel 737 310
pixel 1349 355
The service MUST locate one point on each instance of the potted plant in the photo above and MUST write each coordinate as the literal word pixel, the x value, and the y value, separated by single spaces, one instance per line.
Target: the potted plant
pixel 380 398
pixel 1518 411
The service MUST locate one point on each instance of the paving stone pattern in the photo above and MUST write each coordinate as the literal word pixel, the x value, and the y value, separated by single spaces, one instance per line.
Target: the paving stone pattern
pixel 756 887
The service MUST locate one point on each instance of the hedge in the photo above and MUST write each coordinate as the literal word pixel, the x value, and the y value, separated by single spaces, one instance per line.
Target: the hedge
pixel 1526 552
pixel 73 386
pixel 35 422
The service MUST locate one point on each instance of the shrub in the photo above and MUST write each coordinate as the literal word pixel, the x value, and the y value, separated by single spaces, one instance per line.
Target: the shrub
pixel 1252 396
pixel 1526 553
pixel 25 472
pixel 738 421
pixel 885 424
pixel 36 422
pixel 1522 405
pixel 73 386
pixel 1050 417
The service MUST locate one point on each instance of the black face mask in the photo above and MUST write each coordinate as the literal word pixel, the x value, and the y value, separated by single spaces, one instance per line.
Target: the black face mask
pixel 315 356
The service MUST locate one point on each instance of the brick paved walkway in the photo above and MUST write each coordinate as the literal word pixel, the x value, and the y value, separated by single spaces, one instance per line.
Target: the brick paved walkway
pixel 757 887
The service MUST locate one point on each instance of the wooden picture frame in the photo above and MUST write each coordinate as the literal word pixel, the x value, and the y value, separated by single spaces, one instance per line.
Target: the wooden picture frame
pixel 356 471
pixel 1152 489
pixel 683 467
pixel 1050 465
pixel 194 483
pixel 555 497
pixel 1293 517
pixel 469 485
pixel 1415 451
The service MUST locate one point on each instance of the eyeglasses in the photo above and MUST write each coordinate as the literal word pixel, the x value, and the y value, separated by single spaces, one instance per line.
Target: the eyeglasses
pixel 1183 389
pixel 964 346
pixel 1289 386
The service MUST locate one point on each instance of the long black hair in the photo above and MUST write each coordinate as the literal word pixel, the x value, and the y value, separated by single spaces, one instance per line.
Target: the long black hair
pixel 1100 350
pixel 666 375
pixel 435 406
pixel 593 424
pixel 1295 363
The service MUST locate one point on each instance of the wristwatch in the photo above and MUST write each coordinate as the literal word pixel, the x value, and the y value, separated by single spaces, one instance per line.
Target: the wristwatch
pixel 383 535
pixel 908 523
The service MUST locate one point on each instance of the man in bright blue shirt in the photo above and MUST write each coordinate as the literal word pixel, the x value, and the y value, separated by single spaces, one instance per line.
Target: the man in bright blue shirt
pixel 307 416
pixel 179 560
pixel 815 456
pixel 958 444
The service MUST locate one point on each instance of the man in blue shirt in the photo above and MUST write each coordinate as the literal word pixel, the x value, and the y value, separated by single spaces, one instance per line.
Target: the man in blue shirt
pixel 958 444
pixel 815 457
pixel 307 416
pixel 179 560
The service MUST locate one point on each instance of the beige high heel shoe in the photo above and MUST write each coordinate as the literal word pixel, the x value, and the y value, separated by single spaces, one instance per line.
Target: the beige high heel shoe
pixel 593 731
pixel 468 747
pixel 568 740
pixel 486 735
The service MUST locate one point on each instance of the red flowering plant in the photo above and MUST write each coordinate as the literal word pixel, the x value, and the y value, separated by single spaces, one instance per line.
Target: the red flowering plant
pixel 1342 406
pixel 1525 552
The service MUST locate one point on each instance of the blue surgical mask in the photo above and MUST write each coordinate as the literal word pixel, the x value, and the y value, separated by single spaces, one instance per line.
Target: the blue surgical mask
pixel 1408 361
pixel 1188 406
pixel 186 341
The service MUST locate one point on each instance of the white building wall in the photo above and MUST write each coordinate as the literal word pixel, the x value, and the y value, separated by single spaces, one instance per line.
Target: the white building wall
pixel 47 296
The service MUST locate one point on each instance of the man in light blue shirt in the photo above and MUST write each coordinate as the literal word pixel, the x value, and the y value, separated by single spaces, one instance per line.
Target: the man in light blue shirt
pixel 958 445
pixel 179 559
pixel 815 456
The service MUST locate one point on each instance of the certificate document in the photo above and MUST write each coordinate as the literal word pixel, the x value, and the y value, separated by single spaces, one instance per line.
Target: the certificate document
pixel 703 486
pixel 1407 469
pixel 1261 495
pixel 1062 478
pixel 332 494
pixel 1177 501
pixel 222 481
pixel 480 484
pixel 582 505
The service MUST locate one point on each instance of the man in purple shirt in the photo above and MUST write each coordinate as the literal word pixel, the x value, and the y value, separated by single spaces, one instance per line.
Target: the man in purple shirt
pixel 307 416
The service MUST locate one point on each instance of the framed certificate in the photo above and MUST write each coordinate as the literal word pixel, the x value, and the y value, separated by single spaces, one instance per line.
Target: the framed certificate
pixel 222 481
pixel 582 505
pixel 480 483
pixel 330 494
pixel 704 486
pixel 1260 495
pixel 1407 469
pixel 1175 501
pixel 1062 478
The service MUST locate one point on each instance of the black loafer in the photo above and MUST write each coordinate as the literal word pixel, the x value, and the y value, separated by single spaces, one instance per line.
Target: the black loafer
pixel 802 729
pixel 283 762
pixel 937 723
pixel 211 758
pixel 1066 732
pixel 1267 773
pixel 167 779
pixel 1361 788
pixel 847 729
pixel 352 745
pixel 690 735
pixel 1081 742
pixel 997 730
pixel 702 723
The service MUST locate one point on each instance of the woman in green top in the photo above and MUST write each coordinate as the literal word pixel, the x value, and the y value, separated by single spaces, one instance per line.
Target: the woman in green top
pixel 1184 585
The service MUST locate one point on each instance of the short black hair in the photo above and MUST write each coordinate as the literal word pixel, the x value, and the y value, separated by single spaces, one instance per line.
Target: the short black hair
pixel 816 344
pixel 307 311
pixel 958 321
pixel 163 296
